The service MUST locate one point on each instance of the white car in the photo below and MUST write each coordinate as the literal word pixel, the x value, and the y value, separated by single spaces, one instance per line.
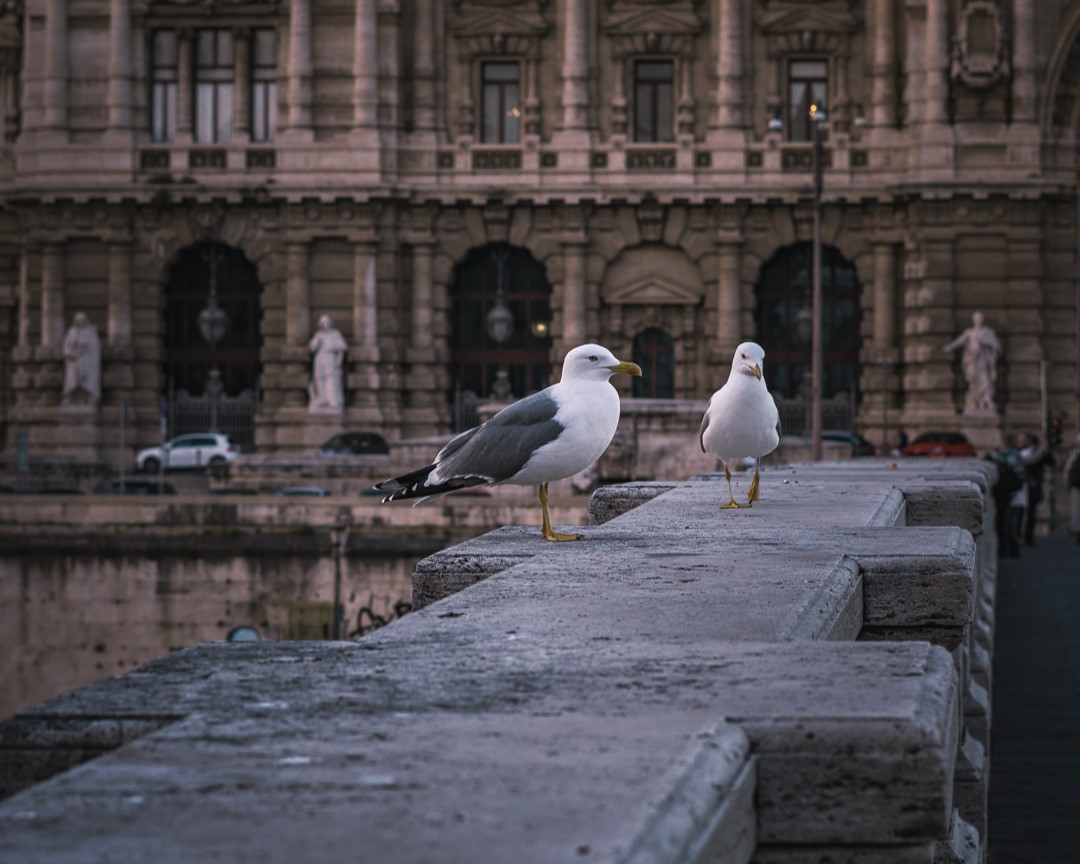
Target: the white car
pixel 197 450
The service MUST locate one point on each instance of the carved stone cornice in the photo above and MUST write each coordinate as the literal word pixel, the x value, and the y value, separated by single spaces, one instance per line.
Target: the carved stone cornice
pixel 493 27
pixel 639 28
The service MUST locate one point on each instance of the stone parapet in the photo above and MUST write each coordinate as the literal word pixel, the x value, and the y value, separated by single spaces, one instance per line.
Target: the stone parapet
pixel 684 684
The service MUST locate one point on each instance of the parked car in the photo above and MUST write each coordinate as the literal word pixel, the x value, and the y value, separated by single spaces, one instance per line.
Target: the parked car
pixel 198 450
pixel 354 444
pixel 939 444
pixel 859 445
pixel 137 486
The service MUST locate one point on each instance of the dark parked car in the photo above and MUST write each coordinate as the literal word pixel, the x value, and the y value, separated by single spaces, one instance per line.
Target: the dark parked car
pixel 137 486
pixel 355 444
pixel 859 445
pixel 939 444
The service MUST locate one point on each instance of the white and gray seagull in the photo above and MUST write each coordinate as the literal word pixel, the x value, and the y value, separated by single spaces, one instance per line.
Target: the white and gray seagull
pixel 742 421
pixel 547 436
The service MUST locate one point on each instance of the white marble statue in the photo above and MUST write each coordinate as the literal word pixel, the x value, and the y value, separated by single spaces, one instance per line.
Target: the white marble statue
pixel 981 350
pixel 328 347
pixel 82 364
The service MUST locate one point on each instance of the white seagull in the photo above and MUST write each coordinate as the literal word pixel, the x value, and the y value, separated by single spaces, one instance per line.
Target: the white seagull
pixel 741 420
pixel 547 436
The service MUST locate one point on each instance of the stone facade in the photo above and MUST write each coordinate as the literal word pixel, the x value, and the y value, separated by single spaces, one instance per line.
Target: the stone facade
pixel 646 156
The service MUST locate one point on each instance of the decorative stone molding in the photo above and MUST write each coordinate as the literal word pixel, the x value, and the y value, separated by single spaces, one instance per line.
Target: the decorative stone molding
pixel 653 275
pixel 980 55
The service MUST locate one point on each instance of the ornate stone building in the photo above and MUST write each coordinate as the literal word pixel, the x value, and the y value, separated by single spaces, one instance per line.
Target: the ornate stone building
pixel 635 172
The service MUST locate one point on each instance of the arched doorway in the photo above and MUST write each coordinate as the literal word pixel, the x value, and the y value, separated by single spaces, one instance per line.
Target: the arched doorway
pixel 784 328
pixel 501 328
pixel 212 370
pixel 654 352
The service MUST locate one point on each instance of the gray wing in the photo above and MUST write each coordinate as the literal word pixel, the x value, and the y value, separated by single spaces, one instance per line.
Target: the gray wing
pixel 499 448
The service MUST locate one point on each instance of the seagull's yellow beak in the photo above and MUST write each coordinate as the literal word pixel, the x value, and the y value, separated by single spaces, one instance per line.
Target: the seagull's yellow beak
pixel 626 368
pixel 755 370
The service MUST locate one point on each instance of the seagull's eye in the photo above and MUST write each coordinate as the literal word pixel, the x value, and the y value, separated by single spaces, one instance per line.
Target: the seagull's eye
pixel 593 358
pixel 744 357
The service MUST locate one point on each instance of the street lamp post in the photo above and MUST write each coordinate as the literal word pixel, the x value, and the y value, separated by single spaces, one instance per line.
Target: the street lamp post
pixel 817 126
pixel 339 537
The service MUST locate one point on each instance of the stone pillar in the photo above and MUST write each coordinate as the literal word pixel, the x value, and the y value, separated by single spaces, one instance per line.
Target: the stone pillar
pixel 366 65
pixel 30 100
pixel 185 104
pixel 883 93
pixel 120 96
pixel 119 334
pixel 56 65
pixel 885 299
pixel 1024 62
pixel 242 73
pixel 25 295
pixel 424 67
pixel 297 293
pixel 728 298
pixel 575 293
pixel 936 62
pixel 299 69
pixel 729 65
pixel 421 413
pixel 575 67
pixel 52 295
pixel 364 351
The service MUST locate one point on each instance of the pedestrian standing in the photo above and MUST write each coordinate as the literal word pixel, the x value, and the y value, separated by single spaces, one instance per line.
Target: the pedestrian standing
pixel 1035 458
pixel 1072 481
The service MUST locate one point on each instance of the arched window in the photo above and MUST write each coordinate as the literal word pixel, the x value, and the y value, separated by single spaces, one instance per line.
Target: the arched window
pixel 784 324
pixel 490 282
pixel 654 352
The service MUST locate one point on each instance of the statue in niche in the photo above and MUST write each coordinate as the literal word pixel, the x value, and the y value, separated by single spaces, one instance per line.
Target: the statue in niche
pixel 82 364
pixel 981 350
pixel 326 390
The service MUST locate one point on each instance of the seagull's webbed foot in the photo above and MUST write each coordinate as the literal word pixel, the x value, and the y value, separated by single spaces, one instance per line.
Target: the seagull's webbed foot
pixel 545 528
pixel 732 503
pixel 753 495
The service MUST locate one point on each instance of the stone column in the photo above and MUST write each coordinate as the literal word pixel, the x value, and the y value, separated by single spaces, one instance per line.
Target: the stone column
pixel 31 79
pixel 364 351
pixel 1024 62
pixel 424 67
pixel 120 96
pixel 575 68
pixel 300 67
pixel 185 104
pixel 56 65
pixel 729 66
pixel 936 62
pixel 52 295
pixel 883 93
pixel 422 296
pixel 25 296
pixel 366 65
pixel 421 414
pixel 575 292
pixel 119 294
pixel 885 299
pixel 297 294
pixel 242 72
pixel 728 297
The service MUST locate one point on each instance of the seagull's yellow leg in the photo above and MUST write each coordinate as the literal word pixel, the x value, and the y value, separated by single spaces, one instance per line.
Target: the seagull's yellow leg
pixel 754 496
pixel 732 503
pixel 545 529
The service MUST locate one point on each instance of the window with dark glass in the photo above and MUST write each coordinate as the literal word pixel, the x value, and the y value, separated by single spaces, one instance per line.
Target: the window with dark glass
pixel 501 103
pixel 215 75
pixel 784 320
pixel 263 85
pixel 163 85
pixel 654 101
pixel 808 84
pixel 654 352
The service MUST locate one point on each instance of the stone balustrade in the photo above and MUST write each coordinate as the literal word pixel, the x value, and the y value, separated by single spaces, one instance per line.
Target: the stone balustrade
pixel 806 680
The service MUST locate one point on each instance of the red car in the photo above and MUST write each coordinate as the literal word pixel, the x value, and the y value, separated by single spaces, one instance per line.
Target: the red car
pixel 939 444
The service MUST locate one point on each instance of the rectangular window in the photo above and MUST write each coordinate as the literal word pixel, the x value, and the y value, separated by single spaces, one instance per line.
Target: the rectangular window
pixel 215 74
pixel 264 103
pixel 163 83
pixel 808 84
pixel 654 101
pixel 500 101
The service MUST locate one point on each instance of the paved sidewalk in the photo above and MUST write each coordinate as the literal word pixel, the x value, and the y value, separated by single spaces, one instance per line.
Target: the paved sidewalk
pixel 1035 752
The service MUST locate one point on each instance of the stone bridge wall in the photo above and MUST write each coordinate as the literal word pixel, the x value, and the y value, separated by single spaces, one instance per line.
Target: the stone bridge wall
pixel 803 681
